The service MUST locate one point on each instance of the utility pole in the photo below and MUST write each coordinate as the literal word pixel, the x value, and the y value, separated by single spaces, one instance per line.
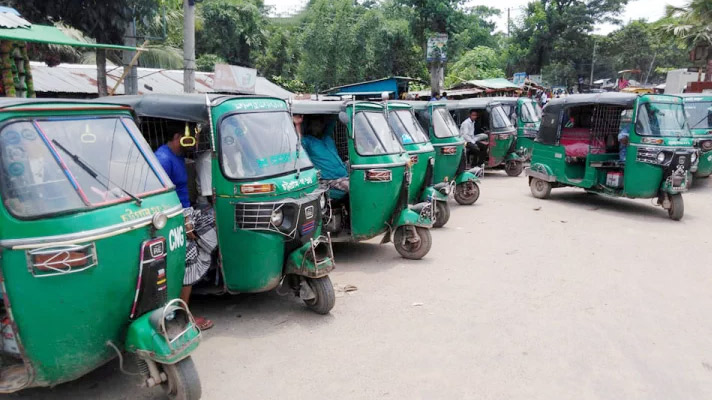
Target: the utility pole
pixel 508 21
pixel 650 69
pixel 593 62
pixel 131 80
pixel 189 46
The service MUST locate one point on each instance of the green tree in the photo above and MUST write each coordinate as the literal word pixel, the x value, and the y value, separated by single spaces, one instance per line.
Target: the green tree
pixel 693 23
pixel 479 63
pixel 231 29
pixel 279 56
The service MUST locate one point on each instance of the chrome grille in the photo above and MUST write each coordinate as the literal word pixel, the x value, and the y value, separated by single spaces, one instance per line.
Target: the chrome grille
pixel 255 216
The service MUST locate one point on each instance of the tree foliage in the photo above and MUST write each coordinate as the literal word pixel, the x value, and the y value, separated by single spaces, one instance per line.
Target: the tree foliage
pixel 232 29
pixel 478 63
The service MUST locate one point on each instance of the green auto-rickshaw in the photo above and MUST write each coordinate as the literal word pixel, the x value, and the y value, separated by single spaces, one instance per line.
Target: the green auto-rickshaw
pixel 262 186
pixel 698 108
pixel 582 143
pixel 93 250
pixel 501 136
pixel 422 159
pixel 450 165
pixel 379 176
pixel 525 115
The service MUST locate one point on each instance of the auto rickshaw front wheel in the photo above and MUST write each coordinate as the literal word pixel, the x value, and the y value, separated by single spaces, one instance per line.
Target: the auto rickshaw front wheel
pixel 324 297
pixel 540 189
pixel 467 193
pixel 513 167
pixel 182 381
pixel 442 214
pixel 412 242
pixel 677 207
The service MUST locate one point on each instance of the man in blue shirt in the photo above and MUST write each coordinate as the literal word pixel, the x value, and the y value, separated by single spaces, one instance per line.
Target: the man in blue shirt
pixel 319 144
pixel 170 155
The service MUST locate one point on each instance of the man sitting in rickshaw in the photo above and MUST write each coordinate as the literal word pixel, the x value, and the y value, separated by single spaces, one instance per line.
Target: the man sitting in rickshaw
pixel 476 149
pixel 318 142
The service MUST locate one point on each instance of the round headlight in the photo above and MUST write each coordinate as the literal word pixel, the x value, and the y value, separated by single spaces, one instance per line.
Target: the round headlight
pixel 277 217
pixel 322 201
pixel 159 220
pixel 661 157
pixel 693 157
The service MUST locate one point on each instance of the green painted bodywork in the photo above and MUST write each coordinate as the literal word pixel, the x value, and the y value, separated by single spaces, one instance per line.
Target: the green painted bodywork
pixel 640 180
pixel 431 193
pixel 500 143
pixel 63 322
pixel 526 131
pixel 145 340
pixel 446 165
pixel 409 217
pixel 704 166
pixel 254 261
pixel 299 263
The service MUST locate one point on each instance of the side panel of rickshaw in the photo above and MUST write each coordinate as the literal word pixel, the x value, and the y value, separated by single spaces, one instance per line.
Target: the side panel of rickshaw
pixel 500 144
pixel 420 155
pixel 448 153
pixel 701 134
pixel 526 131
pixel 64 321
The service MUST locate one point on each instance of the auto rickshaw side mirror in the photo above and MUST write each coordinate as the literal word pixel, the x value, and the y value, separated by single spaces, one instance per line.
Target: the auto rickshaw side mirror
pixel 343 117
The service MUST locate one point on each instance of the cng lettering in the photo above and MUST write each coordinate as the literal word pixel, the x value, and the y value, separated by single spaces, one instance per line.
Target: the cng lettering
pixel 176 238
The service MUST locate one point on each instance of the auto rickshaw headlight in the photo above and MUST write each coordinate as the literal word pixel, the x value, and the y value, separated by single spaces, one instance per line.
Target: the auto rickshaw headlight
pixel 661 157
pixel 159 220
pixel 693 157
pixel 322 201
pixel 277 217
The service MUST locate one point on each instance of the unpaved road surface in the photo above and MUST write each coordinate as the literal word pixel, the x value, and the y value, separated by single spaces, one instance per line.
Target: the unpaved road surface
pixel 576 297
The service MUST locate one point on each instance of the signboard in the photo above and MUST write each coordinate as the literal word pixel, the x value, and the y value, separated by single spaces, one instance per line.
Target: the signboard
pixel 234 79
pixel 436 50
pixel 519 78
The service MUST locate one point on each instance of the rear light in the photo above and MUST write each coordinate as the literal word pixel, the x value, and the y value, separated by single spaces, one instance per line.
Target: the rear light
pixel 652 141
pixel 49 261
pixel 252 188
pixel 414 159
pixel 379 175
pixel 448 150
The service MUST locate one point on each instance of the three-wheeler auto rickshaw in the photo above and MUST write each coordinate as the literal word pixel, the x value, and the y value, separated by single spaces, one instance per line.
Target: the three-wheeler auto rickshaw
pixel 501 136
pixel 578 145
pixel 450 164
pixel 698 108
pixel 525 115
pixel 262 186
pixel 379 176
pixel 411 135
pixel 93 250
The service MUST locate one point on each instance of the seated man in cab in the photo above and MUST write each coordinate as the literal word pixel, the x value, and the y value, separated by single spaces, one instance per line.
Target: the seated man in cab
pixel 476 149
pixel 318 142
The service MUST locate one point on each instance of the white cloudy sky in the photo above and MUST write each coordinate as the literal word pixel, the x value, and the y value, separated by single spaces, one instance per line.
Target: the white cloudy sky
pixel 636 9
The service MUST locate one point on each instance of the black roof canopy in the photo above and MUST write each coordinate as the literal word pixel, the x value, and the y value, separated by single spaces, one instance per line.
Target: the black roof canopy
pixel 612 98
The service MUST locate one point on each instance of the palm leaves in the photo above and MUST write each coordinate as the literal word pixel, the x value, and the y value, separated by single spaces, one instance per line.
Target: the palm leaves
pixel 692 23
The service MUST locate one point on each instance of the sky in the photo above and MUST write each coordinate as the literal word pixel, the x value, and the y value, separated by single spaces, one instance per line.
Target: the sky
pixel 636 9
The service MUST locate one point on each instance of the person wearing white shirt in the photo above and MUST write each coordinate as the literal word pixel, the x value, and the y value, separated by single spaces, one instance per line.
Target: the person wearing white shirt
pixel 468 129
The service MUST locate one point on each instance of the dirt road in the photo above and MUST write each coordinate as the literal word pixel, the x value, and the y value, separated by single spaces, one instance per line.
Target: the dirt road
pixel 576 297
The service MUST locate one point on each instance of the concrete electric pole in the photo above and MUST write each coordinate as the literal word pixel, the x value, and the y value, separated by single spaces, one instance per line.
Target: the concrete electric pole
pixel 189 46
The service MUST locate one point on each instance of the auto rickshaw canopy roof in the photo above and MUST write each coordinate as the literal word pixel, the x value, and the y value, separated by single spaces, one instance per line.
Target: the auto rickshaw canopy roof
pixel 468 104
pixel 8 103
pixel 307 107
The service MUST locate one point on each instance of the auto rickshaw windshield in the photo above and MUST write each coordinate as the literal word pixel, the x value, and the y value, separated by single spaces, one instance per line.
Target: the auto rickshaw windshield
pixel 373 135
pixel 699 114
pixel 443 124
pixel 529 113
pixel 406 128
pixel 56 165
pixel 661 119
pixel 260 144
pixel 499 119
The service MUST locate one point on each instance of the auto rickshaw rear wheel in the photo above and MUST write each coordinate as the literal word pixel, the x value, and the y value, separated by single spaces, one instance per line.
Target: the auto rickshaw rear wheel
pixel 540 189
pixel 183 382
pixel 467 193
pixel 677 207
pixel 513 167
pixel 412 242
pixel 324 297
pixel 442 214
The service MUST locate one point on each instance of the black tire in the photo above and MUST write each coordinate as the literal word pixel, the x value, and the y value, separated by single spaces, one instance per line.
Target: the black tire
pixel 677 207
pixel 467 193
pixel 324 292
pixel 183 381
pixel 540 189
pixel 442 214
pixel 409 250
pixel 513 168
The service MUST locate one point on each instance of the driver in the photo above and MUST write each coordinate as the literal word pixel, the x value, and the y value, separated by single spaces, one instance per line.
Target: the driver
pixel 318 142
pixel 468 129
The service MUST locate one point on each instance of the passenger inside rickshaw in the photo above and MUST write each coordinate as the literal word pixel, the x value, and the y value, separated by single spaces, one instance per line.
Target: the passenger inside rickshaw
pixel 317 138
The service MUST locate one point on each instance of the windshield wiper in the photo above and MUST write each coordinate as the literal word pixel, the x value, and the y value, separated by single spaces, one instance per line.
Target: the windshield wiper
pixel 695 124
pixel 89 170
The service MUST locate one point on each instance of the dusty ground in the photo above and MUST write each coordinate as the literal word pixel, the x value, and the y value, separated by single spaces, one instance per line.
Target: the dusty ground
pixel 576 297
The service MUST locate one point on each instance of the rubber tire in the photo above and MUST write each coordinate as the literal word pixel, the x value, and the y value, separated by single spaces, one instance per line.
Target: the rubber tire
pixel 426 241
pixel 540 189
pixel 324 292
pixel 442 214
pixel 465 200
pixel 677 207
pixel 183 380
pixel 514 168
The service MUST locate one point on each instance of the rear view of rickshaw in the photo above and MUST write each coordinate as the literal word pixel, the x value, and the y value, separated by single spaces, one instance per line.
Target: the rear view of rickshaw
pixel 93 250
pixel 499 133
pixel 525 115
pixel 411 135
pixel 617 144
pixel 698 108
pixel 450 165
pixel 379 175
pixel 262 187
